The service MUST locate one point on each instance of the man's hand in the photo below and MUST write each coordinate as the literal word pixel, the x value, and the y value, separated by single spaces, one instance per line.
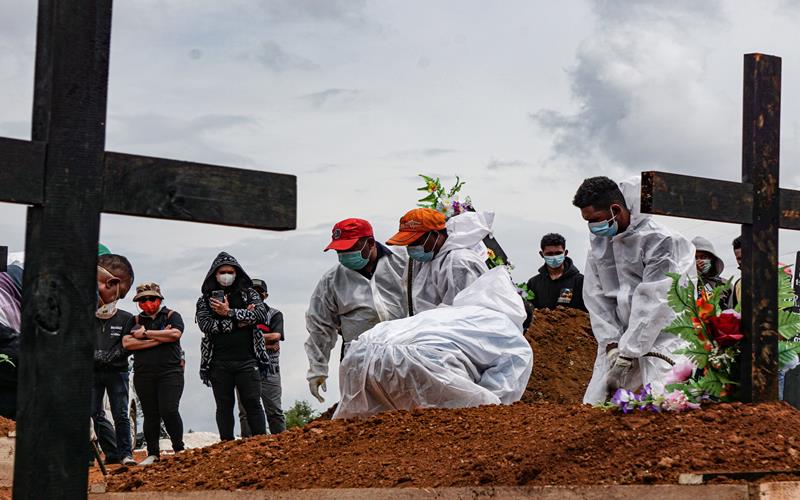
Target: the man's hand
pixel 617 374
pixel 273 347
pixel 220 308
pixel 314 385
pixel 138 333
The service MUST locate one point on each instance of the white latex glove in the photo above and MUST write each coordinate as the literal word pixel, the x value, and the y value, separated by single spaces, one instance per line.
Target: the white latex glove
pixel 314 385
pixel 616 375
pixel 611 356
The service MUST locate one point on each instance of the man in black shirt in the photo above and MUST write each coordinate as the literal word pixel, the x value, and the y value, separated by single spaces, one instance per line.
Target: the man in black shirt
pixel 114 278
pixel 559 283
pixel 272 331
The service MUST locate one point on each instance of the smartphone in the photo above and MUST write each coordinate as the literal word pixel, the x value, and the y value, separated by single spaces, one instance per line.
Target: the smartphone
pixel 218 295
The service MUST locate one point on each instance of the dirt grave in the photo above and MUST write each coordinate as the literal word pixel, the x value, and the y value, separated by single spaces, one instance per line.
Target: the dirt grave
pixel 547 439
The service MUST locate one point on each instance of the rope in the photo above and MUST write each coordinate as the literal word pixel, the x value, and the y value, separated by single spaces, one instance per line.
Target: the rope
pixel 661 356
pixel 409 294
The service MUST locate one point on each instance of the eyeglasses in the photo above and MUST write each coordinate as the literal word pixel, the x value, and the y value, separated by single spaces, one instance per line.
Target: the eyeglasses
pixel 149 299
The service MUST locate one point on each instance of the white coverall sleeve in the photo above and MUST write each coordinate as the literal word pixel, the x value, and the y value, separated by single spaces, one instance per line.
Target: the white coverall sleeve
pixel 322 323
pixel 650 310
pixel 602 310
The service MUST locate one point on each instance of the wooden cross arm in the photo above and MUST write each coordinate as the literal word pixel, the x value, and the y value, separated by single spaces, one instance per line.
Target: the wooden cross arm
pixel 709 199
pixel 164 189
pixel 181 190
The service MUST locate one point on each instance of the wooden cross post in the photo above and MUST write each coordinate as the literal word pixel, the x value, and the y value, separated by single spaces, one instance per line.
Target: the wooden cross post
pixel 68 179
pixel 3 259
pixel 759 205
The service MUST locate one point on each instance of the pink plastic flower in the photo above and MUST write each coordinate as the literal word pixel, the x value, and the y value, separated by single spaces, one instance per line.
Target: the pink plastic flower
pixel 680 372
pixel 677 401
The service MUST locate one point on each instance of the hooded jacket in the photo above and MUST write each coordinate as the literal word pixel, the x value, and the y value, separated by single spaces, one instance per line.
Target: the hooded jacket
pixel 213 325
pixel 566 291
pixel 712 279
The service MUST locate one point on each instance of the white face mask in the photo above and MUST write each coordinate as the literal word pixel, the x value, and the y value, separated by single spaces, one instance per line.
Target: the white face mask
pixel 226 280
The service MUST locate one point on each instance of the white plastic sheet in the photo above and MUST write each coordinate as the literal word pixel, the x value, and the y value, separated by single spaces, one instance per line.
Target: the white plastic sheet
pixel 469 354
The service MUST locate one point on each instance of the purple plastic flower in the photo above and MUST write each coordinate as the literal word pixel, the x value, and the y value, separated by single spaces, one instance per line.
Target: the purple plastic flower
pixel 623 399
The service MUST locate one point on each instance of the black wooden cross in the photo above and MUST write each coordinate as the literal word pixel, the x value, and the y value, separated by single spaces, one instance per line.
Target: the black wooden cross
pixel 759 205
pixel 68 179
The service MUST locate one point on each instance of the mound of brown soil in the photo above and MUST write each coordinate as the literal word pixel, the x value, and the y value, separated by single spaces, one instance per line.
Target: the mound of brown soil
pixel 564 350
pixel 543 443
pixel 7 425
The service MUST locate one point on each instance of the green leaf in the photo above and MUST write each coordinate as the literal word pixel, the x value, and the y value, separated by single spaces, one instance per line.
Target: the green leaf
pixel 788 324
pixel 680 297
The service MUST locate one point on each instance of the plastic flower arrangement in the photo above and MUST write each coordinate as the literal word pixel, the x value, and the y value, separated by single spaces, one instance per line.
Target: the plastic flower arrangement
pixel 442 200
pixel 713 336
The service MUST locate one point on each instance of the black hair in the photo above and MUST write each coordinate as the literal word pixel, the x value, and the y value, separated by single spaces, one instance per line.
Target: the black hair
pixel 117 265
pixel 737 243
pixel 598 192
pixel 553 240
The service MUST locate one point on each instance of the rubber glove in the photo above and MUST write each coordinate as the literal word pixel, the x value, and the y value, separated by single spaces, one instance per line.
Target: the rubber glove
pixel 314 385
pixel 617 374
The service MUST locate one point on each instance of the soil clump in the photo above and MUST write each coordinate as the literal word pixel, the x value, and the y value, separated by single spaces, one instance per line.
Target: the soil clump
pixel 541 443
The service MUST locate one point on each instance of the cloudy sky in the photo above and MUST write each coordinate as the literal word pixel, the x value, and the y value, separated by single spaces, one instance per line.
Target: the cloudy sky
pixel 522 99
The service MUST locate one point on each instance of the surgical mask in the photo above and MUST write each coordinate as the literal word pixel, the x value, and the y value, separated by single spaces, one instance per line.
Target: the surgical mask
pixel 418 253
pixel 607 228
pixel 704 265
pixel 226 279
pixel 354 260
pixel 554 261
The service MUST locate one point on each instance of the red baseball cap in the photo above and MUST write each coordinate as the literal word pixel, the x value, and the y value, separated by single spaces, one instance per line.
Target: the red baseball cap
pixel 346 233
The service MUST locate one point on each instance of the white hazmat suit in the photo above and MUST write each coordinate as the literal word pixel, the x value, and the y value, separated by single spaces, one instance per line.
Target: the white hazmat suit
pixel 469 354
pixel 460 261
pixel 346 300
pixel 625 291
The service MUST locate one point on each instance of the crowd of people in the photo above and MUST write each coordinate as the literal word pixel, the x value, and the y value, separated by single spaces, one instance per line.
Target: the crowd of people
pixel 431 264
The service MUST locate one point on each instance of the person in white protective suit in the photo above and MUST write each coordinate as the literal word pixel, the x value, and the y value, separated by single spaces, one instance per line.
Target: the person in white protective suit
pixel 625 286
pixel 447 256
pixel 469 354
pixel 363 289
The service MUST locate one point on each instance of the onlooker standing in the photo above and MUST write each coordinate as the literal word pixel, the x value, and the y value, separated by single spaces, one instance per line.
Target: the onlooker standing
pixel 272 331
pixel 114 278
pixel 736 295
pixel 559 283
pixel 232 350
pixel 709 268
pixel 155 340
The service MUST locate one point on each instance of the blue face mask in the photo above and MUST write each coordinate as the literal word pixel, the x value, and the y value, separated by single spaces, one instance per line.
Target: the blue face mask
pixel 554 261
pixel 607 228
pixel 418 253
pixel 353 260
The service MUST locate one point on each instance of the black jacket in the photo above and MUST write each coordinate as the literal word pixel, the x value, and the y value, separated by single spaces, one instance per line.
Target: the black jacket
pixel 565 291
pixel 240 317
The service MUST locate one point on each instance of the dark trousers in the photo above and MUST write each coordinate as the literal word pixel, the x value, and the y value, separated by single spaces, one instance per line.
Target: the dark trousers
pixel 228 377
pixel 115 441
pixel 271 399
pixel 160 396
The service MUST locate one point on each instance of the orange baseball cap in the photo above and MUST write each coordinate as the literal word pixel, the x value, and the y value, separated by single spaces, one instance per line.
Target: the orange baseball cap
pixel 415 223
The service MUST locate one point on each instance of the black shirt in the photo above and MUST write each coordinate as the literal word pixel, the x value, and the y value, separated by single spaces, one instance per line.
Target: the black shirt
pixel 234 346
pixel 108 351
pixel 165 356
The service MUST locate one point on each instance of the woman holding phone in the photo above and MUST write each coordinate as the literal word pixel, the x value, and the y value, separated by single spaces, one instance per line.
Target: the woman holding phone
pixel 155 340
pixel 233 355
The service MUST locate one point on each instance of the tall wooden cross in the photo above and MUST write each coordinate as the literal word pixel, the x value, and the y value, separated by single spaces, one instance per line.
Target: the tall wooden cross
pixel 68 179
pixel 759 205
